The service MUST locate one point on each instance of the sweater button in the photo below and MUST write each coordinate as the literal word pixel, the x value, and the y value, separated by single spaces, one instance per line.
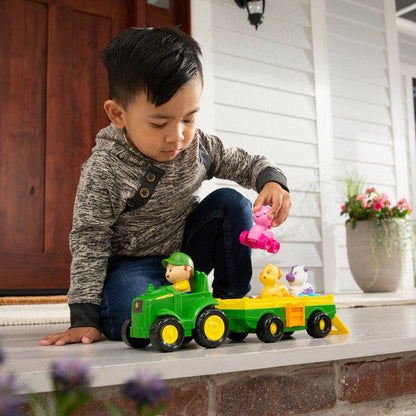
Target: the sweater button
pixel 144 192
pixel 150 177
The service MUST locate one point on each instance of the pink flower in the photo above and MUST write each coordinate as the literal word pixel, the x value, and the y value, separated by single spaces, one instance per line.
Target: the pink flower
pixel 404 205
pixel 384 199
pixel 362 198
pixel 377 206
pixel 373 204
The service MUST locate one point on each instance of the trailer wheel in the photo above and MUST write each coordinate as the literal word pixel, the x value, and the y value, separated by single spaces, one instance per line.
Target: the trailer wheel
pixel 237 336
pixel 130 341
pixel 187 340
pixel 319 325
pixel 166 334
pixel 211 328
pixel 270 328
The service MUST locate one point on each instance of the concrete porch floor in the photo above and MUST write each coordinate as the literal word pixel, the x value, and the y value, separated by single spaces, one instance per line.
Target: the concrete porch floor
pixel 379 330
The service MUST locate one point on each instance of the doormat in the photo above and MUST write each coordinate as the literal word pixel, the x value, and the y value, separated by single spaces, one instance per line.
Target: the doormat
pixel 359 299
pixel 34 314
pixel 32 300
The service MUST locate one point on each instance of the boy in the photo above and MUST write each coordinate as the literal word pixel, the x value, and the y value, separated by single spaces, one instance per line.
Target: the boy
pixel 136 202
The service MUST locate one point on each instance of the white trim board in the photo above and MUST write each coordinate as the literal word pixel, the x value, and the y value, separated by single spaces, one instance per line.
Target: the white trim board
pixel 393 63
pixel 325 144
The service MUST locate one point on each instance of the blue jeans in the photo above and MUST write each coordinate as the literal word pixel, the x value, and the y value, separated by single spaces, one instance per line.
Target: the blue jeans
pixel 211 239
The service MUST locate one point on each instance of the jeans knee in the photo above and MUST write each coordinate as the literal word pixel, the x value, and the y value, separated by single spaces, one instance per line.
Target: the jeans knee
pixel 232 199
pixel 235 207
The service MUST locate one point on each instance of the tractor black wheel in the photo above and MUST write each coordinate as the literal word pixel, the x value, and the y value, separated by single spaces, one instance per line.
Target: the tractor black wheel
pixel 166 334
pixel 211 328
pixel 129 340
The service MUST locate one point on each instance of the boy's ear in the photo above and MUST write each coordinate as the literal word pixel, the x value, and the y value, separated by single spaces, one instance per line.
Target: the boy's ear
pixel 115 113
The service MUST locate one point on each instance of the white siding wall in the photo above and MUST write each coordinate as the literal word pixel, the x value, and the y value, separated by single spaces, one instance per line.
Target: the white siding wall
pixel 407 49
pixel 264 102
pixel 362 124
pixel 260 93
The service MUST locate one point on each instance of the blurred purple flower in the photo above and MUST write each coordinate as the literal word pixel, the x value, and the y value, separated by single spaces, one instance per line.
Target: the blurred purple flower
pixel 145 390
pixel 2 354
pixel 69 374
pixel 10 403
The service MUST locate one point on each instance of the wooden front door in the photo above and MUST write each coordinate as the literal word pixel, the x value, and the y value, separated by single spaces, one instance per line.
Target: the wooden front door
pixel 53 86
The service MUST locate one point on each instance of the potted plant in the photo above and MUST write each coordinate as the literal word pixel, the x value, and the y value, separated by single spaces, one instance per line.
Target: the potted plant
pixel 380 238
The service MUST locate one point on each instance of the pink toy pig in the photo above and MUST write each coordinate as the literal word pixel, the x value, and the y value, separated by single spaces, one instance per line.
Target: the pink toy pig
pixel 260 235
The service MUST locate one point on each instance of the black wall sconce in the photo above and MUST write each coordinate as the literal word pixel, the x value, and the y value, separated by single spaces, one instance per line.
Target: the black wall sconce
pixel 255 9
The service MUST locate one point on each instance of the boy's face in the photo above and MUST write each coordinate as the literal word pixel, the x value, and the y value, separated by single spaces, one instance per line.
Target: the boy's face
pixel 159 132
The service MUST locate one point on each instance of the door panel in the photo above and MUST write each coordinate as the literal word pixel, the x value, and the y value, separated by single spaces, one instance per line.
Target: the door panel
pixel 23 92
pixel 53 86
pixel 78 87
pixel 144 13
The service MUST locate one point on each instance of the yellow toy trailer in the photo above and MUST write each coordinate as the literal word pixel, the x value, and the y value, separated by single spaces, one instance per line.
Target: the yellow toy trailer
pixel 272 318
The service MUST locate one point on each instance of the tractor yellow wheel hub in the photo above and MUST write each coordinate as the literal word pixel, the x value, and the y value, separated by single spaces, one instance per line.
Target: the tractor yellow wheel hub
pixel 214 328
pixel 170 334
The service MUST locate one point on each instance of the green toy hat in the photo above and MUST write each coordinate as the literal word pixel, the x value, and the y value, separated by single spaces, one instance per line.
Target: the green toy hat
pixel 178 259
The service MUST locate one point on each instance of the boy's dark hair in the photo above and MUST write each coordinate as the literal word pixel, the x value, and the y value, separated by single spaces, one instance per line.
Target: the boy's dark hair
pixel 157 61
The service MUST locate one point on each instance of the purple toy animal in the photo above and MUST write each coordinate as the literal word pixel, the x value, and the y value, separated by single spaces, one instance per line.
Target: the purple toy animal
pixel 260 235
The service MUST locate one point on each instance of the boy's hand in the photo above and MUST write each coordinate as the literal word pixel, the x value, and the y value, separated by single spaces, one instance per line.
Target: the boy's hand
pixel 85 335
pixel 279 199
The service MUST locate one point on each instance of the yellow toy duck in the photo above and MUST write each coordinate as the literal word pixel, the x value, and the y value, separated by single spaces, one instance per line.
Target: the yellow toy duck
pixel 270 277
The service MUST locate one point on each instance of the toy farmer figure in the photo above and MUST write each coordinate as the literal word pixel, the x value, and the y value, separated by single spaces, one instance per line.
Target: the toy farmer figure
pixel 179 269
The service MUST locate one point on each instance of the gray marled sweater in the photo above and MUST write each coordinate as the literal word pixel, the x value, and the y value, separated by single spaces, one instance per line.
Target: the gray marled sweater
pixel 121 210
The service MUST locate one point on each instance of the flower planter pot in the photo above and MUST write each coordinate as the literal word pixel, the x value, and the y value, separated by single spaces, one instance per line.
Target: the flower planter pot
pixel 374 267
